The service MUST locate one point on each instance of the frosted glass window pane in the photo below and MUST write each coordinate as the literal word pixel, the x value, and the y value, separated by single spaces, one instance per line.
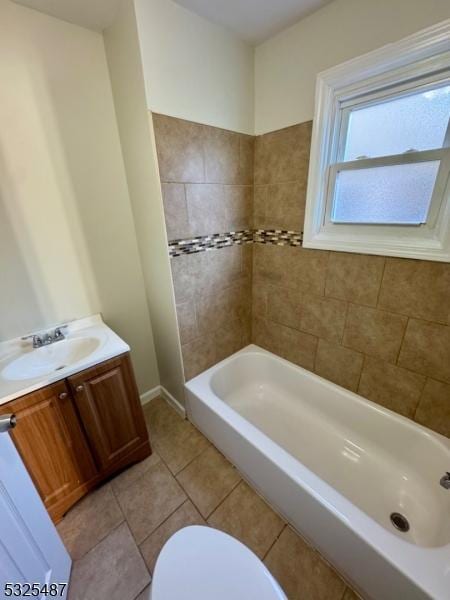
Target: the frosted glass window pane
pixel 417 121
pixel 399 194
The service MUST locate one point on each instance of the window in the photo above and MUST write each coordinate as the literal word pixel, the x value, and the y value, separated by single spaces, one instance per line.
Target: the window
pixel 380 158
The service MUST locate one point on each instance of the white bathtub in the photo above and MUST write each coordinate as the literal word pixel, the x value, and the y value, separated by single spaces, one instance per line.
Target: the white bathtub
pixel 336 466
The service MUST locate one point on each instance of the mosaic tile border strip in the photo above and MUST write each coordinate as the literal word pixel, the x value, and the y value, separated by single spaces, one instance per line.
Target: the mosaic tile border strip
pixel 277 237
pixel 210 242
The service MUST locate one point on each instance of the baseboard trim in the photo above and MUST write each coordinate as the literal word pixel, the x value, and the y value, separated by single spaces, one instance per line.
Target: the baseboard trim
pixel 150 395
pixel 173 402
pixel 160 391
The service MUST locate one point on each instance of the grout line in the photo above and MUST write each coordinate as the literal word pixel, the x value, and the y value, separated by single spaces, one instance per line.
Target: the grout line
pixel 402 341
pixel 274 542
pixel 360 373
pixel 228 493
pixel 381 282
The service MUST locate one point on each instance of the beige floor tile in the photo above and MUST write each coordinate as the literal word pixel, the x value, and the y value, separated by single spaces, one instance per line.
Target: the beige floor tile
pixel 245 516
pixel 149 500
pixel 89 521
pixel 350 595
pixel 186 515
pixel 300 570
pixel 113 570
pixel 208 480
pixel 176 440
pixel 145 594
pixel 180 446
pixel 160 417
pixel 127 477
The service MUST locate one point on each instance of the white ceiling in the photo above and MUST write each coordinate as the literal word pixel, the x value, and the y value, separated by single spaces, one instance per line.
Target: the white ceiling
pixel 93 14
pixel 253 20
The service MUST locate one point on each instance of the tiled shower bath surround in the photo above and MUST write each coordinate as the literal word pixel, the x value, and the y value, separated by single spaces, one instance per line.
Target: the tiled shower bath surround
pixel 376 325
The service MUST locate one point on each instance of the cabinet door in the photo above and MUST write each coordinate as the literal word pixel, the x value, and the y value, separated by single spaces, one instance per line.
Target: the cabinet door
pixel 108 402
pixel 52 445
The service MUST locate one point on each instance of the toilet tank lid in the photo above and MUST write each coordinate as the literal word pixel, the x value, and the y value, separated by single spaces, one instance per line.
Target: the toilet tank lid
pixel 201 563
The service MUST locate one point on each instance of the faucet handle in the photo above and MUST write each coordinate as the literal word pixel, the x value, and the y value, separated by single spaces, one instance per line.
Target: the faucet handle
pixel 59 333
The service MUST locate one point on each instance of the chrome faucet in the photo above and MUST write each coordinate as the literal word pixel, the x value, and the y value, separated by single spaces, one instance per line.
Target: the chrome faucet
pixel 45 339
pixel 445 481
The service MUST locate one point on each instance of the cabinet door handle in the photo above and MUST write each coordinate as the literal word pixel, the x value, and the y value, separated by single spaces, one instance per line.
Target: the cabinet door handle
pixel 7 422
pixel 63 395
pixel 79 388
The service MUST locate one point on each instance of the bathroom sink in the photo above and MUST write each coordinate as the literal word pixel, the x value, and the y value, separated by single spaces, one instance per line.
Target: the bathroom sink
pixel 48 359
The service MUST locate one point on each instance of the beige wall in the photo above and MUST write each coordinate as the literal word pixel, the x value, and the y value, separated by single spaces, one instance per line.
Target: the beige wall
pixel 67 238
pixel 287 64
pixel 136 134
pixel 193 69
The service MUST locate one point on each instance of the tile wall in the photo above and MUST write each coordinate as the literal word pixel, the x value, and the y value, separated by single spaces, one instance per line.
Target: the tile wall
pixel 376 325
pixel 207 183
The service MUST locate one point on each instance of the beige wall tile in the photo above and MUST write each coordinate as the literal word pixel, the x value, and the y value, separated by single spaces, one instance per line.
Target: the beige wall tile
pixel 374 332
pixel 285 206
pixel 187 322
pixel 245 516
pixel 198 355
pixel 208 480
pixel 354 277
pixel 323 317
pixel 269 263
pixel 175 210
pixel 301 571
pixel 246 158
pixel 260 193
pixel 283 156
pixel 238 207
pixel 264 334
pixel 184 516
pixel 206 208
pixel 309 269
pixel 260 292
pixel 434 407
pixel 223 306
pixel 391 386
pixel 184 276
pixel 296 346
pixel 222 155
pixel 218 269
pixel 291 267
pixel 426 349
pixel 231 338
pixel 284 306
pixel 179 146
pixel 338 364
pixel 417 288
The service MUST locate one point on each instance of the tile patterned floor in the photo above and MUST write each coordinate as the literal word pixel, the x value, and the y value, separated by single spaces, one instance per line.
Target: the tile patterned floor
pixel 115 533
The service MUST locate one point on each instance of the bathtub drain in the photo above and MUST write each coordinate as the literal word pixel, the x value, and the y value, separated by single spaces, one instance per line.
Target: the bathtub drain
pixel 400 522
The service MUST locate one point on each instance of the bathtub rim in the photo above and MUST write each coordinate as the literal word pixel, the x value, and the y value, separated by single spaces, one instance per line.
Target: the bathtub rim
pixel 424 566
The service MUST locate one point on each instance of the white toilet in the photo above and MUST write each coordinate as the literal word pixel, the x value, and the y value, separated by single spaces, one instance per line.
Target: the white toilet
pixel 201 563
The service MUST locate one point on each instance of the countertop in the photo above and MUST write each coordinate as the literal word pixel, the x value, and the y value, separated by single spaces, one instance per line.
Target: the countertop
pixel 110 345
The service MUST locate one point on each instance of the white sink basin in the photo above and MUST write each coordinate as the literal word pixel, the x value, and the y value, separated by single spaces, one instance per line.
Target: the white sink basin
pixel 48 359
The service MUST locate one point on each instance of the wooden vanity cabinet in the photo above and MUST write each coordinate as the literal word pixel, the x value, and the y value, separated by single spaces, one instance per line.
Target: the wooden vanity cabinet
pixel 108 402
pixel 74 433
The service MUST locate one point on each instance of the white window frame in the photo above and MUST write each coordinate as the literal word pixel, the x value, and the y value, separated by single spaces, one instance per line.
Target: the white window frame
pixel 418 61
